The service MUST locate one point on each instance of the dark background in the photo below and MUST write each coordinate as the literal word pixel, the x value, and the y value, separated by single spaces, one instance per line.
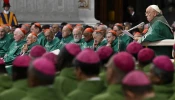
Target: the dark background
pixel 119 8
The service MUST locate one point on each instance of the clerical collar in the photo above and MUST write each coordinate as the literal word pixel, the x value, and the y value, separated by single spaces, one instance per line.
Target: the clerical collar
pixel 133 13
pixel 93 79
pixel 6 12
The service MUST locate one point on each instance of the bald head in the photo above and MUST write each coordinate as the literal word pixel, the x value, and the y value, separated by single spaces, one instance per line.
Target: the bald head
pixel 49 35
pixel 102 28
pixel 66 31
pixel 31 39
pixel 18 35
pixel 98 37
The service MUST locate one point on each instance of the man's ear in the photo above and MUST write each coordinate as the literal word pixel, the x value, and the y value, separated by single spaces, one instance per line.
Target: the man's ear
pixel 38 30
pixel 155 13
pixel 114 37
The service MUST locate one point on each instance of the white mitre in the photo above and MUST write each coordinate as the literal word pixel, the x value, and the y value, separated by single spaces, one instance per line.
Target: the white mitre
pixel 155 7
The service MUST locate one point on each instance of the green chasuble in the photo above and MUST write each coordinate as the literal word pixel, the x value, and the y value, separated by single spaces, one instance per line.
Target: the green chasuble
pixel 5 82
pixel 118 45
pixel 163 92
pixel 126 40
pixel 65 41
pixel 17 92
pixel 114 92
pixel 80 42
pixel 40 93
pixel 4 45
pixel 103 77
pixel 88 44
pixel 102 43
pixel 86 90
pixel 13 51
pixel 146 68
pixel 159 30
pixel 65 83
pixel 52 45
pixel 42 39
pixel 11 35
pixel 30 47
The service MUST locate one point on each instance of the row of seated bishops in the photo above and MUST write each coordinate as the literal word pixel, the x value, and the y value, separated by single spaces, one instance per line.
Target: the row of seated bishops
pixel 76 74
pixel 19 41
pixel 92 63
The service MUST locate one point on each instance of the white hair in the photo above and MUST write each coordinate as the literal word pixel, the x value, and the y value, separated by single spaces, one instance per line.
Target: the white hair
pixel 76 29
pixel 156 8
pixel 104 27
pixel 19 31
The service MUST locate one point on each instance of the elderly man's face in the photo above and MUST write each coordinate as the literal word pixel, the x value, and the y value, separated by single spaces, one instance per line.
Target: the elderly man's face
pixel 116 29
pixel 87 36
pixel 33 29
pixel 65 32
pixel 2 32
pixel 17 36
pixel 150 14
pixel 110 38
pixel 30 39
pixel 101 28
pixel 49 35
pixel 97 38
pixel 77 35
pixel 55 28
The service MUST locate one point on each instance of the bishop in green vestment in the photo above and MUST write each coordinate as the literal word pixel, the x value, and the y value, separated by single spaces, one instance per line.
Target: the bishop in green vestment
pixel 36 28
pixel 159 30
pixel 5 42
pixel 5 79
pixel 114 42
pixel 15 47
pixel 66 82
pixel 88 38
pixel 87 70
pixel 99 40
pixel 77 37
pixel 115 74
pixel 40 79
pixel 52 42
pixel 31 41
pixel 19 77
pixel 161 75
pixel 118 28
pixel 66 36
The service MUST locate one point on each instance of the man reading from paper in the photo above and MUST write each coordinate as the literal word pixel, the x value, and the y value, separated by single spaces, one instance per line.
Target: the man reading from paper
pixel 159 30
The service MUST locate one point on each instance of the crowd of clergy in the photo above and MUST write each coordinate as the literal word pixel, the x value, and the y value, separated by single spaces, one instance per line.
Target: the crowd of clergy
pixel 94 62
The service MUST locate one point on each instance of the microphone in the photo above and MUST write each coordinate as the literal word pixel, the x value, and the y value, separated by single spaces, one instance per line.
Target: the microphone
pixel 141 24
